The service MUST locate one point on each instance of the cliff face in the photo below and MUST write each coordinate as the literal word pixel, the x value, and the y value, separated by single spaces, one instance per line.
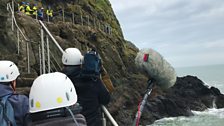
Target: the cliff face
pixel 8 43
pixel 88 30
pixel 117 54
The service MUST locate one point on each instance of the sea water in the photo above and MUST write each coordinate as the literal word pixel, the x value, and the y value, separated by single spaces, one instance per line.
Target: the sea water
pixel 212 75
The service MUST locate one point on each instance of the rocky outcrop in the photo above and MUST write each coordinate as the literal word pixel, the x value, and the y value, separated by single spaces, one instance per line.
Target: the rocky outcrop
pixel 117 54
pixel 189 93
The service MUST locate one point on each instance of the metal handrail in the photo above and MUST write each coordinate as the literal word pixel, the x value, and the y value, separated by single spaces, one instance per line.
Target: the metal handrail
pixel 59 47
pixel 53 67
pixel 51 36
pixel 109 116
pixel 14 20
pixel 43 27
pixel 11 8
pixel 19 31
pixel 55 61
pixel 72 16
pixel 48 34
pixel 65 13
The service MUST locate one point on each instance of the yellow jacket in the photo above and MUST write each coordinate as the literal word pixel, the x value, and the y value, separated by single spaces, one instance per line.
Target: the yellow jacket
pixel 34 10
pixel 28 10
pixel 22 8
pixel 50 13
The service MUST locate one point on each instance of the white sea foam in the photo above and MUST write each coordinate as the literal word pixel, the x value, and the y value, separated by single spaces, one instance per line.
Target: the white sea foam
pixel 212 76
pixel 211 112
pixel 210 117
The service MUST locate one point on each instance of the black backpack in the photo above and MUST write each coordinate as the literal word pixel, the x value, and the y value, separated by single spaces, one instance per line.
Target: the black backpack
pixel 57 117
pixel 6 112
pixel 92 65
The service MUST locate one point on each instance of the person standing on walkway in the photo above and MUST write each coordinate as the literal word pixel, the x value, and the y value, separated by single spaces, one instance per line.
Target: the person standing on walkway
pixel 91 91
pixel 22 7
pixel 28 10
pixel 53 102
pixel 40 14
pixel 35 10
pixel 49 13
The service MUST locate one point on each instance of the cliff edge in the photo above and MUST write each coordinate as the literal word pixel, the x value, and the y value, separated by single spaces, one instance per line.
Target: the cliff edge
pixel 91 17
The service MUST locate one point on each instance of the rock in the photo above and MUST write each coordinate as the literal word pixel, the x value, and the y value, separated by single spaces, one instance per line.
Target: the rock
pixel 220 101
pixel 189 93
pixel 215 91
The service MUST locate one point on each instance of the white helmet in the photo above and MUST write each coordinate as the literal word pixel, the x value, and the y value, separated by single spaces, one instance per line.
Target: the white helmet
pixel 72 56
pixel 51 91
pixel 8 71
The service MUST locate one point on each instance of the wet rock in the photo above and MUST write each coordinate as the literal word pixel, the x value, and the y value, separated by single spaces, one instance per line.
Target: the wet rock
pixel 189 93
pixel 220 101
pixel 215 91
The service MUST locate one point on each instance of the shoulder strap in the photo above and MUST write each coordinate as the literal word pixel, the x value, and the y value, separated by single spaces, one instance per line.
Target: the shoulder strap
pixel 5 98
pixel 8 109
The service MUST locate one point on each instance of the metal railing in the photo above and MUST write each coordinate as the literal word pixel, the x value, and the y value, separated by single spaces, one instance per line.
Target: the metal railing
pixel 43 27
pixel 83 19
pixel 48 46
pixel 49 53
pixel 109 116
pixel 10 7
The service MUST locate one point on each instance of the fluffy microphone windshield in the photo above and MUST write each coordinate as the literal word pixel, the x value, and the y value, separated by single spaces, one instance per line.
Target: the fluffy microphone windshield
pixel 156 67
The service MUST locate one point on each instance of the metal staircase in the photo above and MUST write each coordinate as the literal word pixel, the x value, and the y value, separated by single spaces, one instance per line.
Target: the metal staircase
pixel 49 53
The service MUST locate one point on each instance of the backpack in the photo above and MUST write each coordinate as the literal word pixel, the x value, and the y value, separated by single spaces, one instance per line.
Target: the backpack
pixel 6 112
pixel 62 116
pixel 92 65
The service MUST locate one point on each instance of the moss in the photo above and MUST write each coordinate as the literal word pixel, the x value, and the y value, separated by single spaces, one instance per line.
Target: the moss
pixel 74 8
pixel 116 54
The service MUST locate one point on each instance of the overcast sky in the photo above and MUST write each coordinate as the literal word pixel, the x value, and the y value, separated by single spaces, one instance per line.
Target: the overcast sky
pixel 185 32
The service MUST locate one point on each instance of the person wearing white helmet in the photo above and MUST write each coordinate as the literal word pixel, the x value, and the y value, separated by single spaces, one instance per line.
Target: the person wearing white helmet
pixel 72 60
pixel 91 92
pixel 72 56
pixel 40 14
pixel 52 102
pixel 19 103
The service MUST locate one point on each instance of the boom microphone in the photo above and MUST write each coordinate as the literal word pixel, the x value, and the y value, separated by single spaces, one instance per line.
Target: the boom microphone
pixel 157 67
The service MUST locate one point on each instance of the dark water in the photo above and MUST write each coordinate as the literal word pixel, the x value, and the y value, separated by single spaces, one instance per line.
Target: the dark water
pixel 211 75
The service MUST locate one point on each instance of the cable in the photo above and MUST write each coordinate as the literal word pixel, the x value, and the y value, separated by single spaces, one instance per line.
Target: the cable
pixel 73 117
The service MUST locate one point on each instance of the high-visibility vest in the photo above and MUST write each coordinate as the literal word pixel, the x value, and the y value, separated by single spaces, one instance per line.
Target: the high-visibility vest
pixel 34 10
pixel 28 10
pixel 22 8
pixel 50 13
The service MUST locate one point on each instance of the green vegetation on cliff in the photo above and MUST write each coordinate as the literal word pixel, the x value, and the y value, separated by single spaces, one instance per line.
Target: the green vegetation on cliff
pixel 117 53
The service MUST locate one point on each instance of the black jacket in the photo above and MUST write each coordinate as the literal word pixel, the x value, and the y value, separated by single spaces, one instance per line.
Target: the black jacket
pixel 91 94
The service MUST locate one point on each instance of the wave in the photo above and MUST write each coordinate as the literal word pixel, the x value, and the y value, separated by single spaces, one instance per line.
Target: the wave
pixel 211 112
pixel 209 117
